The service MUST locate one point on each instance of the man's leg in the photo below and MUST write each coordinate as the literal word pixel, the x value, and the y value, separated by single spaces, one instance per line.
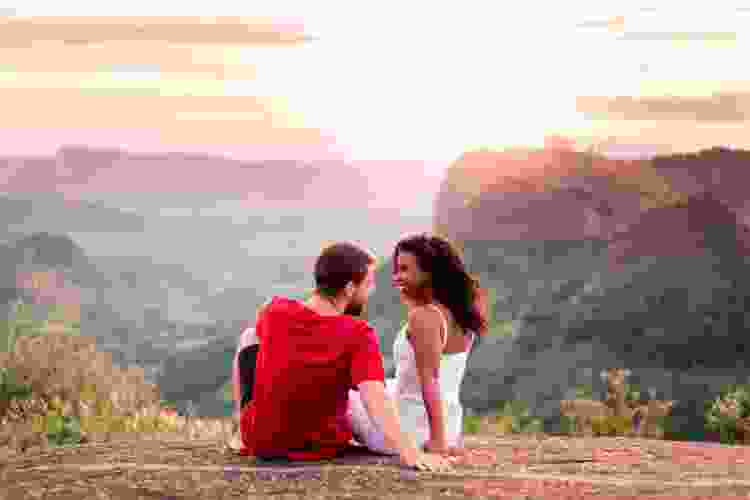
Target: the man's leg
pixel 246 360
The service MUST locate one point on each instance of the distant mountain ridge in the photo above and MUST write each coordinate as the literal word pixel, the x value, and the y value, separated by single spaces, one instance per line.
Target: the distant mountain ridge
pixel 600 263
pixel 75 169
pixel 156 282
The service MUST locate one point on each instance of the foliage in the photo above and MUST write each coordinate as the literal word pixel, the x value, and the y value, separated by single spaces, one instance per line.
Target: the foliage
pixel 57 372
pixel 567 425
pixel 724 413
pixel 165 403
pixel 472 424
pixel 584 391
pixel 10 389
pixel 23 323
pixel 632 392
pixel 611 425
pixel 63 430
pixel 228 392
pixel 512 416
pixel 519 420
pixel 501 329
pixel 514 408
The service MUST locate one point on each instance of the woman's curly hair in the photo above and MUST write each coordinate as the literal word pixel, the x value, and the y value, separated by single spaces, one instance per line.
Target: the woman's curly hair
pixel 452 285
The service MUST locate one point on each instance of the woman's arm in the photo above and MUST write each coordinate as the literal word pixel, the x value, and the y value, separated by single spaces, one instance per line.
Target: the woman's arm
pixel 424 329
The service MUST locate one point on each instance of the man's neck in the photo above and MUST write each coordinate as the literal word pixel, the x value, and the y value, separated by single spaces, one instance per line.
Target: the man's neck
pixel 323 305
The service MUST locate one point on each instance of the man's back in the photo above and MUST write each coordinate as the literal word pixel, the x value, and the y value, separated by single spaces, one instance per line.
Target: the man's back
pixel 306 365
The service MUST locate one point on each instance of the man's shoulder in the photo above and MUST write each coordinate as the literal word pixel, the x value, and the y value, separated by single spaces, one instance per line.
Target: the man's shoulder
pixel 355 329
pixel 355 324
pixel 272 304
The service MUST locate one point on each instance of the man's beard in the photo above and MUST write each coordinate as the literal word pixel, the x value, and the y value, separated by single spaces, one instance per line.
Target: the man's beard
pixel 355 309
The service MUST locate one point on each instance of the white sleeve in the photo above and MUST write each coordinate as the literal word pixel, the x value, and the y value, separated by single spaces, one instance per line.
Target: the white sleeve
pixel 248 338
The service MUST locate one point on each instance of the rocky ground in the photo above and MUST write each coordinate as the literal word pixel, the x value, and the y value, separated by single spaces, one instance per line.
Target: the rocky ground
pixel 507 466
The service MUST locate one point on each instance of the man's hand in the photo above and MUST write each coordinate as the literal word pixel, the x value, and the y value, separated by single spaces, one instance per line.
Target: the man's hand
pixel 382 409
pixel 433 446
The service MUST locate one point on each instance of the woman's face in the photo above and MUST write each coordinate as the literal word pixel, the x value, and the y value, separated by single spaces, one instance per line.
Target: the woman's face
pixel 408 277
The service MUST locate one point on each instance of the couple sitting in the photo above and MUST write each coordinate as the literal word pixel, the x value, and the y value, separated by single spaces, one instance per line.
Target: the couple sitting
pixel 317 380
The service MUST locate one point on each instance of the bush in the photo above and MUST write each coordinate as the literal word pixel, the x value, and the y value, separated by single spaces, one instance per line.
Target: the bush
pixel 611 425
pixel 632 392
pixel 517 413
pixel 584 391
pixel 10 389
pixel 472 424
pixel 723 414
pixel 567 425
pixel 74 391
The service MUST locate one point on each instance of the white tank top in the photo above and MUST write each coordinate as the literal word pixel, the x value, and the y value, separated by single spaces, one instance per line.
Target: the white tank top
pixel 452 368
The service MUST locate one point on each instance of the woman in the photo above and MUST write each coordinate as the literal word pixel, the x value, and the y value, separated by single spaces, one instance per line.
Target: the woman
pixel 446 310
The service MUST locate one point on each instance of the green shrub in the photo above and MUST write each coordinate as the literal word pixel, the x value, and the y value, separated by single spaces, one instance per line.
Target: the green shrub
pixel 471 424
pixel 632 392
pixel 567 424
pixel 522 420
pixel 584 391
pixel 11 390
pixel 63 430
pixel 736 396
pixel 514 408
pixel 527 424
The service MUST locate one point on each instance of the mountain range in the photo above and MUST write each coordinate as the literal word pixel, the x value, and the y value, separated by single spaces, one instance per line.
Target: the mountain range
pixel 171 253
pixel 601 263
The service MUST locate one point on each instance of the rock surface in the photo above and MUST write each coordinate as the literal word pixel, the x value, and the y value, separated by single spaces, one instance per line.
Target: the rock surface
pixel 496 466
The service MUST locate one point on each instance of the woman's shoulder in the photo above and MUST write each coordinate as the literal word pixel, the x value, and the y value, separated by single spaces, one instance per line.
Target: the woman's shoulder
pixel 424 318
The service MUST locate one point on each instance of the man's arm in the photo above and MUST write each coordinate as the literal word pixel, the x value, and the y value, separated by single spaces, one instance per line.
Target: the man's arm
pixel 380 407
pixel 368 377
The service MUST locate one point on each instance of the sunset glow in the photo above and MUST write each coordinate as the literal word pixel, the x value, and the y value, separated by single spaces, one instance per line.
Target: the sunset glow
pixel 416 82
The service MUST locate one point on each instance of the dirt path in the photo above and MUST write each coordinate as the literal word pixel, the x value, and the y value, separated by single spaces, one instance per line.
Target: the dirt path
pixel 497 467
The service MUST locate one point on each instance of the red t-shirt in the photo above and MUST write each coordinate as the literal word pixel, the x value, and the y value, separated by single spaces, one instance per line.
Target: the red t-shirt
pixel 305 367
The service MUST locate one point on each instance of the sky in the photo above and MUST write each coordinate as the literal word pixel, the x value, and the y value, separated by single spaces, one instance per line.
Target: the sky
pixel 396 81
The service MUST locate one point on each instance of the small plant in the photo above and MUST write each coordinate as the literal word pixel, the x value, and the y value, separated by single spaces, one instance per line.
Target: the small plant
pixel 726 412
pixel 64 431
pixel 10 390
pixel 611 425
pixel 632 392
pixel 524 425
pixel 516 417
pixel 584 391
pixel 472 424
pixel 514 408
pixel 567 425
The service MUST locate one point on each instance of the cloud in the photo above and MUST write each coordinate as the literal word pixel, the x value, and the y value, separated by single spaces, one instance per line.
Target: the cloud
pixel 24 32
pixel 718 108
pixel 74 108
pixel 214 61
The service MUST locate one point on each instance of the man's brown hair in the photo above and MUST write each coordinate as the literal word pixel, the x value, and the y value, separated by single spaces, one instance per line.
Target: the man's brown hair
pixel 339 264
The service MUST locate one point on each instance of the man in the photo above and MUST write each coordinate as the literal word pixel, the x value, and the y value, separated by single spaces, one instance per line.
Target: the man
pixel 310 355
